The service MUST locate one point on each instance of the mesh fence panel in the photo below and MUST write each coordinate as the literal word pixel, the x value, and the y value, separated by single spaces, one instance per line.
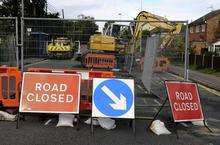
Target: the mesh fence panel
pixel 155 63
pixel 149 60
pixel 8 41
pixel 55 43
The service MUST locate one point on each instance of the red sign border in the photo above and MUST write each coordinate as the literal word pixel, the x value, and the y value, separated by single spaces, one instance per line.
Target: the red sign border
pixel 197 91
pixel 50 112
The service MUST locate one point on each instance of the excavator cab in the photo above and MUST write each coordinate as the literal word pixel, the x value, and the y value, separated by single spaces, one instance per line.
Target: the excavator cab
pixel 10 87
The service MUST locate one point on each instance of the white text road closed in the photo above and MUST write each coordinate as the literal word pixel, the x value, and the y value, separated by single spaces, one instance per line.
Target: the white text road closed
pixel 50 93
pixel 184 101
pixel 113 98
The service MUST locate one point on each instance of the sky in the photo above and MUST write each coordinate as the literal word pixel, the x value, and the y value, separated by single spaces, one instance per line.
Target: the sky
pixel 129 9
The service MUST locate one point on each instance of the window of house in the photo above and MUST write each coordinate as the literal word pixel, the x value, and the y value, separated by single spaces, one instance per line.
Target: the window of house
pixel 217 49
pixel 197 29
pixel 200 28
pixel 203 28
pixel 191 30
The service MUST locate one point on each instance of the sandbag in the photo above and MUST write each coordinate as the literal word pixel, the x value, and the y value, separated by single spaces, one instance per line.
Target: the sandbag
pixel 159 128
pixel 198 123
pixel 6 116
pixel 94 121
pixel 107 123
pixel 65 120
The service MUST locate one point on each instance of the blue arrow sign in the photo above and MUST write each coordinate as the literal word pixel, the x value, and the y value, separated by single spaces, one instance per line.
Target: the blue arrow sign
pixel 113 97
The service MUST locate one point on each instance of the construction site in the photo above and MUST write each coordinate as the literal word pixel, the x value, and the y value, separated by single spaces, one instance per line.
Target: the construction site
pixel 89 81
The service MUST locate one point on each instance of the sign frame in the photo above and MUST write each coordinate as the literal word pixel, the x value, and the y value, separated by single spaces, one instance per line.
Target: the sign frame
pixel 131 110
pixel 198 96
pixel 167 99
pixel 51 112
pixel 132 120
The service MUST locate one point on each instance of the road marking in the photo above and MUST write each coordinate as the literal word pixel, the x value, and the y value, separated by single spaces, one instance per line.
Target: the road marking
pixel 146 92
pixel 155 109
pixel 140 87
pixel 176 76
pixel 213 120
pixel 37 62
pixel 73 58
pixel 217 93
pixel 213 91
pixel 145 101
pixel 158 103
pixel 184 124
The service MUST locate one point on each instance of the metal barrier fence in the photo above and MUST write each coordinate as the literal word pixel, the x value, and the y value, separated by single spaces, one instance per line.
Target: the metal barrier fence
pixel 155 60
pixel 204 61
pixel 64 44
pixel 56 43
pixel 8 41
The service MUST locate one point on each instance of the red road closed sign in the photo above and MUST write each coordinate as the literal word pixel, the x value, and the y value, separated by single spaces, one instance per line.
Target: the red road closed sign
pixel 50 93
pixel 184 100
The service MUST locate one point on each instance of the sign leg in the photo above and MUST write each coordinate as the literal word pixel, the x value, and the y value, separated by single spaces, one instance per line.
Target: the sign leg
pixel 92 125
pixel 176 131
pixel 77 125
pixel 155 116
pixel 134 126
pixel 18 119
pixel 205 124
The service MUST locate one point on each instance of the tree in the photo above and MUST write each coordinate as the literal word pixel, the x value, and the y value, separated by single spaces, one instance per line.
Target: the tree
pixel 106 25
pixel 84 28
pixel 32 8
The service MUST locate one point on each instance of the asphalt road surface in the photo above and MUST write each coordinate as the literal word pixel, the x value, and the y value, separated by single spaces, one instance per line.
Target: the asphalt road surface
pixel 32 131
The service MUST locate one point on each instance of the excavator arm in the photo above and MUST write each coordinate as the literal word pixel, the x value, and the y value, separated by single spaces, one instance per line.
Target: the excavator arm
pixel 151 22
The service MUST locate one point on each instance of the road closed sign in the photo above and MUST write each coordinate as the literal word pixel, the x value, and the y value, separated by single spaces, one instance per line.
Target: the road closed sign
pixel 50 93
pixel 184 100
pixel 113 98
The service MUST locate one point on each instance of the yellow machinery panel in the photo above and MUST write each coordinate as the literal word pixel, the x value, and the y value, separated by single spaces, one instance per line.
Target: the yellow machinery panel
pixel 61 44
pixel 58 48
pixel 102 42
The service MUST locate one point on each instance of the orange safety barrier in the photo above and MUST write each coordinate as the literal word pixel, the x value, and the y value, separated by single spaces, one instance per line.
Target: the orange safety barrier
pixel 95 60
pixel 101 74
pixel 45 70
pixel 162 64
pixel 86 88
pixel 10 86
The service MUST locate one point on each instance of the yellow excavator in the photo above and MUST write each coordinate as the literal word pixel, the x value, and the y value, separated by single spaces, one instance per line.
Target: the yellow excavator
pixel 154 24
pixel 105 49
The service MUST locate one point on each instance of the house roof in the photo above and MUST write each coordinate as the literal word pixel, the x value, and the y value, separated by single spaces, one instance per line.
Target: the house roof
pixel 202 19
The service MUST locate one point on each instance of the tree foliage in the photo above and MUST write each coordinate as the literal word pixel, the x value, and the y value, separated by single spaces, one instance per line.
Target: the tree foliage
pixel 75 30
pixel 32 8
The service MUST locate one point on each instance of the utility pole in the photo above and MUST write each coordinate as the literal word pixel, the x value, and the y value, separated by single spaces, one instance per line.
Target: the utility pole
pixel 119 15
pixel 186 63
pixel 22 35
pixel 46 6
pixel 141 5
pixel 63 13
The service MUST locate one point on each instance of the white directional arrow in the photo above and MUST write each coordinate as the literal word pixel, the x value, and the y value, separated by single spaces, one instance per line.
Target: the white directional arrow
pixel 119 103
